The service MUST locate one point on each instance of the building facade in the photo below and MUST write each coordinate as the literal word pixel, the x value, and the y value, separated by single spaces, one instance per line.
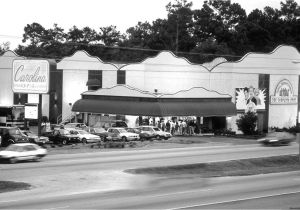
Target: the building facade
pixel 266 82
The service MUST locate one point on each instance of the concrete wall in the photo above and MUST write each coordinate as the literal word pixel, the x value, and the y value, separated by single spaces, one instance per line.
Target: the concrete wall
pixel 75 75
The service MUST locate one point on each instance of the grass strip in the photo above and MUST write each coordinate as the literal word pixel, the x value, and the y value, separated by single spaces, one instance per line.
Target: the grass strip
pixel 244 167
pixel 7 186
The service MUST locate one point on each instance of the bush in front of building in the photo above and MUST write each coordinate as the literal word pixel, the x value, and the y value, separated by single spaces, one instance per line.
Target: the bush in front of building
pixel 247 123
pixel 293 129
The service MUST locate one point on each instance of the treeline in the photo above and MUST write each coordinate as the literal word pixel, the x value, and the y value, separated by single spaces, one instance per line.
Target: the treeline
pixel 219 28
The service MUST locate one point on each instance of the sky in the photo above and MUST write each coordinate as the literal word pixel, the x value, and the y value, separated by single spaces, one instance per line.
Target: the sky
pixel 16 14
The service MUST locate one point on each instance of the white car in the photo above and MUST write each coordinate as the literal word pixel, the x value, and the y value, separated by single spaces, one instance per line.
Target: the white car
pixel 117 134
pixel 156 132
pixel 86 137
pixel 20 152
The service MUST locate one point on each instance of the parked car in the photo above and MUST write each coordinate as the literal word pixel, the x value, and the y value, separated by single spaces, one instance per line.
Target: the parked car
pixel 33 138
pixel 12 135
pixel 62 136
pixel 156 132
pixel 86 137
pixel 101 132
pixel 119 124
pixel 20 152
pixel 277 139
pixel 72 126
pixel 117 134
pixel 142 134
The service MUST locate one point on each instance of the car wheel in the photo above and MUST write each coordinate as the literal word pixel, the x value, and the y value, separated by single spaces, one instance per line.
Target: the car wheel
pixel 36 158
pixel 157 137
pixel 13 160
pixel 10 141
pixel 64 142
pixel 124 138
pixel 166 138
pixel 84 141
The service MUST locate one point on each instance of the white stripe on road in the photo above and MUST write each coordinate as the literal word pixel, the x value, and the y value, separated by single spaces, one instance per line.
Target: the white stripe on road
pixel 229 201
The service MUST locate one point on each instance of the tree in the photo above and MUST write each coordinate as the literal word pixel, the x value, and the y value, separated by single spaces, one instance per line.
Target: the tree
pixel 34 33
pixel 247 123
pixel 4 47
pixel 110 36
pixel 180 25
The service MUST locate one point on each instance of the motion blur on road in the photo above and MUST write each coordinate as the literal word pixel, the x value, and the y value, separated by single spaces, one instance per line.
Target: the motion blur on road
pixel 97 181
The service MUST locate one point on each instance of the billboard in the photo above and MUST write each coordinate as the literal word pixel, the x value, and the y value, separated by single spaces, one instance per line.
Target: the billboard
pixel 284 94
pixel 250 99
pixel 31 76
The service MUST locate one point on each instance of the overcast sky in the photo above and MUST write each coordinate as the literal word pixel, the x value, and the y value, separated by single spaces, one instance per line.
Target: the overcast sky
pixel 15 14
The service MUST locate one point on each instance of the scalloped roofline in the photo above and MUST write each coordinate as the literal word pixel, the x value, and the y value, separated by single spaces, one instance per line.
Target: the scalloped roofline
pixel 257 53
pixel 17 55
pixel 160 95
pixel 125 86
pixel 212 91
pixel 91 56
pixel 158 54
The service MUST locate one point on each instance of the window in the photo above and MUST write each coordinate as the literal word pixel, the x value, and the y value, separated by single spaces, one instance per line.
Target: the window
pixel 94 79
pixel 121 77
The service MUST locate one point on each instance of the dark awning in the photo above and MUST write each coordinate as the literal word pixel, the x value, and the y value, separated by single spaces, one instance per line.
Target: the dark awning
pixel 158 108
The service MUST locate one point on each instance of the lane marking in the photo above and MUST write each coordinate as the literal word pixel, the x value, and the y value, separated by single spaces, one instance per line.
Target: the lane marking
pixel 229 201
pixel 59 207
pixel 176 193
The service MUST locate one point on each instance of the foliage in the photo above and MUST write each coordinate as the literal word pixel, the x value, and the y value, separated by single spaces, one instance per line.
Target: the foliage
pixel 4 47
pixel 247 123
pixel 218 28
pixel 293 129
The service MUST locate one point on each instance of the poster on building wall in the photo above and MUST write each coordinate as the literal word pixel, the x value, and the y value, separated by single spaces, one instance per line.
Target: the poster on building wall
pixel 284 94
pixel 31 112
pixel 250 99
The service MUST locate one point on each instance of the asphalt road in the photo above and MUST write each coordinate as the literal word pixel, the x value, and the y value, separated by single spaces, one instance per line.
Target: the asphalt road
pixel 96 181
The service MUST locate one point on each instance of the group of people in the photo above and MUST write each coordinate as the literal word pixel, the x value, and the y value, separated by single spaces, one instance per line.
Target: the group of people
pixel 178 127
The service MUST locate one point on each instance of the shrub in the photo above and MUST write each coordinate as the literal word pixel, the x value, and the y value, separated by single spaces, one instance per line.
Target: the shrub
pixel 247 123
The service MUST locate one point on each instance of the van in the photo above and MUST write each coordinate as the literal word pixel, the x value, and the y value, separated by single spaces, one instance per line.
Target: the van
pixel 12 135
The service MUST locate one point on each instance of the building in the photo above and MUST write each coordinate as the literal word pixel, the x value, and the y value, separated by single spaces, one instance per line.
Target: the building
pixel 51 102
pixel 267 73
pixel 270 80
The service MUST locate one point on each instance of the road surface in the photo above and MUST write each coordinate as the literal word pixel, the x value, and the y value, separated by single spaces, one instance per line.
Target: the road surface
pixel 97 181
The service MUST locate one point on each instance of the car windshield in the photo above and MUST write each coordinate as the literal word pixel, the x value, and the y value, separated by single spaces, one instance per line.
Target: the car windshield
pixel 83 132
pixel 27 133
pixel 156 129
pixel 122 130
pixel 65 132
pixel 14 131
pixel 99 130
pixel 14 148
pixel 283 135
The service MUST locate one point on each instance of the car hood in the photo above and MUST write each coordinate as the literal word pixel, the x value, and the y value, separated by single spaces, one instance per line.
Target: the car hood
pixel 8 153
pixel 129 134
pixel 88 136
pixel 70 135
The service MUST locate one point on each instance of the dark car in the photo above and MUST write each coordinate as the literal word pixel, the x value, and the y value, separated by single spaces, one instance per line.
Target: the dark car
pixel 119 124
pixel 11 135
pixel 62 136
pixel 101 132
pixel 277 139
